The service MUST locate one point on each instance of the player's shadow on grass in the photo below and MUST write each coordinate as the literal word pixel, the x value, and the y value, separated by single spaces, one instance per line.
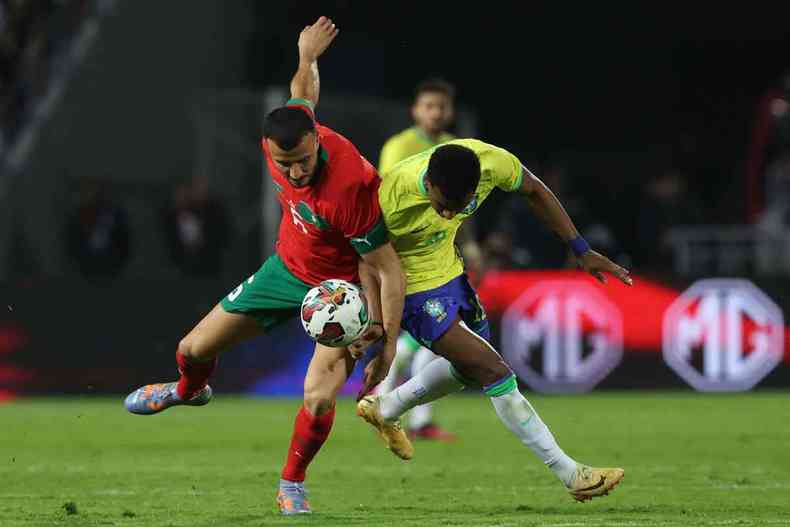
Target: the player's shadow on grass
pixel 583 509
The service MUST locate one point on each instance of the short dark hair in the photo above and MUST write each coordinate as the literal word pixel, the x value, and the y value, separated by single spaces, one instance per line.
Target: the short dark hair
pixel 435 85
pixel 455 169
pixel 287 126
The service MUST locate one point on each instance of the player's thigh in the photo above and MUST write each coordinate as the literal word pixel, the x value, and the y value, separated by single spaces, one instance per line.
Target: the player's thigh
pixel 327 373
pixel 269 297
pixel 471 355
pixel 328 370
pixel 217 332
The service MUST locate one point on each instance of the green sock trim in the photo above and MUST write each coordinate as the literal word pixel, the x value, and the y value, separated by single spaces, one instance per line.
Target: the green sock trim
pixel 502 387
pixel 460 378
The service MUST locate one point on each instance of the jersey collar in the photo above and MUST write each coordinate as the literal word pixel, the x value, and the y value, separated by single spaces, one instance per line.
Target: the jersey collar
pixel 323 160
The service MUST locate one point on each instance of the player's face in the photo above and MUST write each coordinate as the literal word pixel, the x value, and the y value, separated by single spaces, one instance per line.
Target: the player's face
pixel 445 208
pixel 433 112
pixel 298 165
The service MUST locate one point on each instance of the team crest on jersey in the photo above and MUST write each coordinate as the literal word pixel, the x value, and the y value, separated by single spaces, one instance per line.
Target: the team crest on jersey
pixel 435 309
pixel 469 209
pixel 311 217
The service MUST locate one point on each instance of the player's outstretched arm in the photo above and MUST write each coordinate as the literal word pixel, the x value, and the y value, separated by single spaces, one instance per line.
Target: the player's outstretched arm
pixel 313 40
pixel 548 208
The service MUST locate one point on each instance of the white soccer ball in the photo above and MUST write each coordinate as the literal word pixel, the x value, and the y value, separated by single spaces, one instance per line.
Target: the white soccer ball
pixel 335 313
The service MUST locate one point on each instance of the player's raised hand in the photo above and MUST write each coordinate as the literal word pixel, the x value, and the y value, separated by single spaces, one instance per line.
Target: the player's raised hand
pixel 597 264
pixel 316 38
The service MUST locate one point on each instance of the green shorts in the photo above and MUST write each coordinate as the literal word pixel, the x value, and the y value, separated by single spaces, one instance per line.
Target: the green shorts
pixel 271 296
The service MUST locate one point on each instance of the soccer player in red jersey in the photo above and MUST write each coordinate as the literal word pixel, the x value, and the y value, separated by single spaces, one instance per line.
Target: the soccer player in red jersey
pixel 331 224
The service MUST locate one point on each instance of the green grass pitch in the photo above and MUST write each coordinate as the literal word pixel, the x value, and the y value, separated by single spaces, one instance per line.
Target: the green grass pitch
pixel 690 460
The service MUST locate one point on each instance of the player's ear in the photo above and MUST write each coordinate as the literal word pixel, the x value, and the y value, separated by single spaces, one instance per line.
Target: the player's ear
pixel 316 143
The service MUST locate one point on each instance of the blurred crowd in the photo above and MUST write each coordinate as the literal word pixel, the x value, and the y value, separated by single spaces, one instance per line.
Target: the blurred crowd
pixel 636 232
pixel 32 32
pixel 769 160
pixel 194 222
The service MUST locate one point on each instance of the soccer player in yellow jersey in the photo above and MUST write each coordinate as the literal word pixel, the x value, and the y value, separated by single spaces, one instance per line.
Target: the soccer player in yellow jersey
pixel 424 200
pixel 432 111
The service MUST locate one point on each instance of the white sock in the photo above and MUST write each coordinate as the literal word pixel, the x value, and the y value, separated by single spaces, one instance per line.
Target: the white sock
pixel 423 414
pixel 404 358
pixel 432 382
pixel 521 419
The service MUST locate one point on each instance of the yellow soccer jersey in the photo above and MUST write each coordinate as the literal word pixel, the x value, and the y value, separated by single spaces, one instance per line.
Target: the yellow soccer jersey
pixel 405 144
pixel 422 238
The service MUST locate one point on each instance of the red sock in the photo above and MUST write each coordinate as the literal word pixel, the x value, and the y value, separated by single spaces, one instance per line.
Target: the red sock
pixel 194 375
pixel 310 432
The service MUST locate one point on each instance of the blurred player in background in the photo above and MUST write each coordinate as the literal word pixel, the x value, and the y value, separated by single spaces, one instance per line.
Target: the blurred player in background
pixel 331 218
pixel 424 201
pixel 432 111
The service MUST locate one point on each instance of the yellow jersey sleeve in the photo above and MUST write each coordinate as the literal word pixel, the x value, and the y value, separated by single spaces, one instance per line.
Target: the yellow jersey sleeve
pixel 505 168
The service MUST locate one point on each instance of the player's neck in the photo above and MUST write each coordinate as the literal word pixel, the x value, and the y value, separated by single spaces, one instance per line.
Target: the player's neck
pixel 427 136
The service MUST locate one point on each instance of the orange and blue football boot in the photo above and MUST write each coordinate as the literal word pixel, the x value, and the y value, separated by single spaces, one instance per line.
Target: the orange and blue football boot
pixel 153 398
pixel 292 498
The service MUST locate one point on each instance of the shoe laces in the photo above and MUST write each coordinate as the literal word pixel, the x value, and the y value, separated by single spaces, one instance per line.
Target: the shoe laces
pixel 166 392
pixel 585 472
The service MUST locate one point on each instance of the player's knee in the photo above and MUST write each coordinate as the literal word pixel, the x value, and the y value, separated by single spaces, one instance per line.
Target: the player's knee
pixel 494 372
pixel 318 402
pixel 195 348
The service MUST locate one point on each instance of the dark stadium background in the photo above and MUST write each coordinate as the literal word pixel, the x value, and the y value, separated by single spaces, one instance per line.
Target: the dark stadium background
pixel 139 97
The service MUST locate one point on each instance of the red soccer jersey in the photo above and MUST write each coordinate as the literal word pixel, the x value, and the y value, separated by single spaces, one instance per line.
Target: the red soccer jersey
pixel 327 224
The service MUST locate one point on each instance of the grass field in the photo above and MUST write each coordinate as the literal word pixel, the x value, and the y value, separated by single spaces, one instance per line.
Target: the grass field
pixel 690 460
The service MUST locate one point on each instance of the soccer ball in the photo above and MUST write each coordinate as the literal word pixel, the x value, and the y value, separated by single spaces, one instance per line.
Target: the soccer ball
pixel 335 313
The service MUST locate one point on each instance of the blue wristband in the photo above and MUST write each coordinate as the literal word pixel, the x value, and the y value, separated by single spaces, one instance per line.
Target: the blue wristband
pixel 579 246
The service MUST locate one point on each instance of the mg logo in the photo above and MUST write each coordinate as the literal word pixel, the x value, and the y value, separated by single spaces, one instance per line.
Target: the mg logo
pixel 562 336
pixel 723 335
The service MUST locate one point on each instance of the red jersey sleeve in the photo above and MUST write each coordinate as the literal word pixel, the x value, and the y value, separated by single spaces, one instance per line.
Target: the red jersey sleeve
pixel 360 219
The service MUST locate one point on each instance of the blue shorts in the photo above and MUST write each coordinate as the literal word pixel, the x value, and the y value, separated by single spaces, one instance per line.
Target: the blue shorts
pixel 428 315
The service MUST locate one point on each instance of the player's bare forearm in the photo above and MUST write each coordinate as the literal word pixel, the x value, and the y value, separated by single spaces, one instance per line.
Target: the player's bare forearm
pixel 548 208
pixel 386 265
pixel 372 289
pixel 313 40
pixel 545 205
pixel 393 289
pixel 305 83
